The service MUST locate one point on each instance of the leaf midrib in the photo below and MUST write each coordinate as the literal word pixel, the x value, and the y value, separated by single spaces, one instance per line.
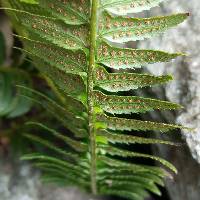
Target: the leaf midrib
pixel 90 100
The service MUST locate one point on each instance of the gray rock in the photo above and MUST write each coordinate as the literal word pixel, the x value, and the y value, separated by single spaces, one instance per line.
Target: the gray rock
pixel 184 90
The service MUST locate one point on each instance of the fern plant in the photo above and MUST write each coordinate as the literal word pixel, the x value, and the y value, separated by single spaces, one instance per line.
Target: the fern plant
pixel 75 43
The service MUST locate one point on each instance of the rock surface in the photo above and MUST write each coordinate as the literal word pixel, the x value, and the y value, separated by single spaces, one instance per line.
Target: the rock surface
pixel 184 90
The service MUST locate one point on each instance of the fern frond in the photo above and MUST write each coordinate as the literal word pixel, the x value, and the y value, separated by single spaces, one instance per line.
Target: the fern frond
pixel 128 139
pixel 119 167
pixel 64 169
pixel 115 82
pixel 143 182
pixel 115 104
pixel 51 146
pixel 70 43
pixel 50 159
pixel 76 145
pixel 124 153
pixel 66 61
pixel 74 123
pixel 53 30
pixel 124 58
pixel 124 29
pixel 116 123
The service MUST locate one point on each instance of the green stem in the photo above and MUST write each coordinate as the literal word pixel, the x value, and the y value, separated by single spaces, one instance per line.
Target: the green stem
pixel 92 134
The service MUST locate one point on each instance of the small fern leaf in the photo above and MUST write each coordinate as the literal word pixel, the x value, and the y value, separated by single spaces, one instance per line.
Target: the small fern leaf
pixel 74 123
pixel 73 12
pixel 129 194
pixel 75 106
pixel 76 145
pixel 142 181
pixel 65 169
pixel 49 179
pixel 128 175
pixel 53 164
pixel 51 146
pixel 63 180
pixel 69 81
pixel 65 60
pixel 129 139
pixel 50 159
pixel 124 153
pixel 119 7
pixel 130 104
pixel 124 29
pixel 70 177
pixel 115 82
pixel 124 58
pixel 115 123
pixel 71 84
pixel 155 178
pixel 126 184
pixel 117 167
pixel 53 30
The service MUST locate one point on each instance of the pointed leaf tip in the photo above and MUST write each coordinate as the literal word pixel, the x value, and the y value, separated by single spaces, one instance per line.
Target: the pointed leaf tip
pixel 115 82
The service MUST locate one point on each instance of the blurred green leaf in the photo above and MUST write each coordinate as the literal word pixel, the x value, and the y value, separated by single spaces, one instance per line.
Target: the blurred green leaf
pixel 11 103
